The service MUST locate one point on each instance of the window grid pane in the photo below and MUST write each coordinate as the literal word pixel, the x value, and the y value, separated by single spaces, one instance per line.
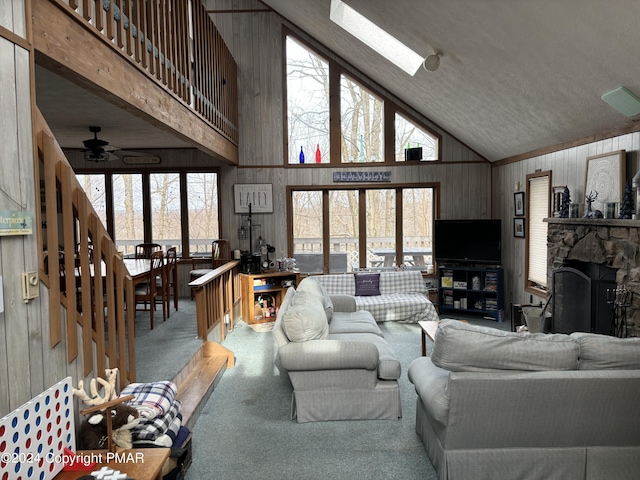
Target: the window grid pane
pixel 408 134
pixel 361 123
pixel 307 104
pixel 127 209
pixel 202 203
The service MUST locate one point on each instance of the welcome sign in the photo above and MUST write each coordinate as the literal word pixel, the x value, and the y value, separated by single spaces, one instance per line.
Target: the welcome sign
pixel 14 222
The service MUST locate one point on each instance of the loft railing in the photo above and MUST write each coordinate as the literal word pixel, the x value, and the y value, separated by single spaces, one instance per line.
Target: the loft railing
pixel 72 243
pixel 177 44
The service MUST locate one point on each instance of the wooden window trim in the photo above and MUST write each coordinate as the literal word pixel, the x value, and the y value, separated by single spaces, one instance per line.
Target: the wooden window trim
pixel 390 108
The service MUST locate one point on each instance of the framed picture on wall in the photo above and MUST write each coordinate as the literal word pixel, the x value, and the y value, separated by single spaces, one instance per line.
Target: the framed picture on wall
pixel 606 177
pixel 258 195
pixel 518 202
pixel 518 227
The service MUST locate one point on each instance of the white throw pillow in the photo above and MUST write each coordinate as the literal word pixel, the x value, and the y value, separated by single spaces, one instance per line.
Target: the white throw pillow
pixel 305 318
pixel 312 285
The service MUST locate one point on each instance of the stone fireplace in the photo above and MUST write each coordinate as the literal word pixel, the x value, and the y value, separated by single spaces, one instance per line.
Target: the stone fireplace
pixel 611 243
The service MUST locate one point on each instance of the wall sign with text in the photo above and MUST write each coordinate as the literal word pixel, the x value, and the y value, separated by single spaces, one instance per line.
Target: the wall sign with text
pixel 347 177
pixel 259 195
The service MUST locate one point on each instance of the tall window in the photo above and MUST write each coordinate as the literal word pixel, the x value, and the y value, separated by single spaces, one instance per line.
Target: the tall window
pixel 307 104
pixel 165 208
pixel 329 111
pixel 361 122
pixel 94 187
pixel 347 229
pixel 128 211
pixel 381 227
pixel 202 199
pixel 538 208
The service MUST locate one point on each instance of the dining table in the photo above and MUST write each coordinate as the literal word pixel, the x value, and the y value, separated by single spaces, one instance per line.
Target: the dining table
pixel 389 255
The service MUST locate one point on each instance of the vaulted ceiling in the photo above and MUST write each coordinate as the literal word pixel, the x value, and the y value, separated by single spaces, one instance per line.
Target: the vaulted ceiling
pixel 515 75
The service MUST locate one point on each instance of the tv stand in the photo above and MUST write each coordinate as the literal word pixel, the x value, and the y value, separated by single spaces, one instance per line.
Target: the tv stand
pixel 475 290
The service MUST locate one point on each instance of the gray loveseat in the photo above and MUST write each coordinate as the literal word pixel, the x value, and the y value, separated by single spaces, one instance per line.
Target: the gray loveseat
pixel 399 296
pixel 501 405
pixel 340 365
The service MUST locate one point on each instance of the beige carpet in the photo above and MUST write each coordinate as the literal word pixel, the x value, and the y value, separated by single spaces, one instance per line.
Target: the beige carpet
pixel 262 327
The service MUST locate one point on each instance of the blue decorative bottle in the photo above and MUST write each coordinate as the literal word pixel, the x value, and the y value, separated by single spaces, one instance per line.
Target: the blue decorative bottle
pixel 301 155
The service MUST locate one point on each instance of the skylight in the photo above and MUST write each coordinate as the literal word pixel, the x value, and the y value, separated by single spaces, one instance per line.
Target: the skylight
pixel 375 37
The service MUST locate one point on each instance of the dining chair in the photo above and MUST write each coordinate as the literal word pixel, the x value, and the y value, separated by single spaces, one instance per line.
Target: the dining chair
pixel 171 277
pixel 144 250
pixel 148 292
pixel 220 254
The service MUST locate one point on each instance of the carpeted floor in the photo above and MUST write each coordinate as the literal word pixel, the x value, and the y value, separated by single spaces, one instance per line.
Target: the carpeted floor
pixel 245 431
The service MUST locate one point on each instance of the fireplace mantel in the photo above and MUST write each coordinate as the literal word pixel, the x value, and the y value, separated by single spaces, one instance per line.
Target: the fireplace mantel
pixel 599 222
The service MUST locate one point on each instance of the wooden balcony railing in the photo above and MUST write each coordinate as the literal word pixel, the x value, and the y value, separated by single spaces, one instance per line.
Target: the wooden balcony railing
pixel 177 44
pixel 73 240
pixel 217 296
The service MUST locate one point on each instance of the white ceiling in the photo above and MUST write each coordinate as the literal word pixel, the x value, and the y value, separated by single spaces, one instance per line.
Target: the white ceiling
pixel 515 76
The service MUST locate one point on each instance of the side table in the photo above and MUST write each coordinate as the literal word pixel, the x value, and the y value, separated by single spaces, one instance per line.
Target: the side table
pixel 138 463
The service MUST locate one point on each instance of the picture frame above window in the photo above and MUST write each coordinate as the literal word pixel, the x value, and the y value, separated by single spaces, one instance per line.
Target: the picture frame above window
pixel 518 203
pixel 518 227
pixel 258 195
pixel 605 175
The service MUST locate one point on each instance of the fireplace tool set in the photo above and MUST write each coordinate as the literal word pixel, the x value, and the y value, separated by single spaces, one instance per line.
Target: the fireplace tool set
pixel 621 298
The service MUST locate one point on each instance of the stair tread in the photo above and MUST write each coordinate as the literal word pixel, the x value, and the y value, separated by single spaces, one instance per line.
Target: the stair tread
pixel 197 385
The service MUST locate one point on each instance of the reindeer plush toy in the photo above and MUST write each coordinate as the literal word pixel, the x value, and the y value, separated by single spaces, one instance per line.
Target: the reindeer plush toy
pixel 93 431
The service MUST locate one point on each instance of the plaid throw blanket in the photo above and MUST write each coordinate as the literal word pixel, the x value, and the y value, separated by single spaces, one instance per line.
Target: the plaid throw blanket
pixel 167 424
pixel 151 399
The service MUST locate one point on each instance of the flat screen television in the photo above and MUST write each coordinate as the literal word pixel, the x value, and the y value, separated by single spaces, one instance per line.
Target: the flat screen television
pixel 468 242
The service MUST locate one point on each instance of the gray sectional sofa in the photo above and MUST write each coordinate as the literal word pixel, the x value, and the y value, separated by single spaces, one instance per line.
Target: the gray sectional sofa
pixel 502 405
pixel 399 296
pixel 340 365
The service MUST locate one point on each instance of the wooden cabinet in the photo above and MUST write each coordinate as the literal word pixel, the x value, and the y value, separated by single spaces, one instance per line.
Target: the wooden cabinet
pixel 262 294
pixel 471 290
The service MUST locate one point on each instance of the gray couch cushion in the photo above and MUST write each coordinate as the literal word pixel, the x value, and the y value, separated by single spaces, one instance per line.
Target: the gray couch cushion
pixel 389 367
pixel 460 347
pixel 305 318
pixel 312 285
pixel 354 322
pixel 431 385
pixel 278 332
pixel 601 352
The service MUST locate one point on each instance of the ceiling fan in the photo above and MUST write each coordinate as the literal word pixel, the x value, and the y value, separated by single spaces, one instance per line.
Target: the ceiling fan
pixel 99 150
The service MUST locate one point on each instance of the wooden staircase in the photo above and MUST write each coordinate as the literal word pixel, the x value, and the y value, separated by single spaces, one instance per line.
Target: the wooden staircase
pixel 197 380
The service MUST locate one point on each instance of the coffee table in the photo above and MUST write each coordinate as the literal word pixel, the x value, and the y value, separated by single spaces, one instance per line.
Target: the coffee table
pixel 428 329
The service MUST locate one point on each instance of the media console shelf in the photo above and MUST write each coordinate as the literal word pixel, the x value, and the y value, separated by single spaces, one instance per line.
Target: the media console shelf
pixel 474 290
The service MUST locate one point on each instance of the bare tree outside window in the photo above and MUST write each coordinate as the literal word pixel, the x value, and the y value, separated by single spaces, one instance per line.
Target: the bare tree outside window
pixel 361 123
pixel 165 209
pixel 127 210
pixel 307 104
pixel 202 199
pixel 408 134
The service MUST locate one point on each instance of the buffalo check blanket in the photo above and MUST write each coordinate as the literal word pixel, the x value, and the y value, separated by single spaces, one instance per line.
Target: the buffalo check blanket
pixel 151 399
pixel 167 424
pixel 403 296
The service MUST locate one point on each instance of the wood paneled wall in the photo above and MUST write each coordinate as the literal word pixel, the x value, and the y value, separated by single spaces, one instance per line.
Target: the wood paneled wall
pixel 27 363
pixel 568 167
pixel 255 40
